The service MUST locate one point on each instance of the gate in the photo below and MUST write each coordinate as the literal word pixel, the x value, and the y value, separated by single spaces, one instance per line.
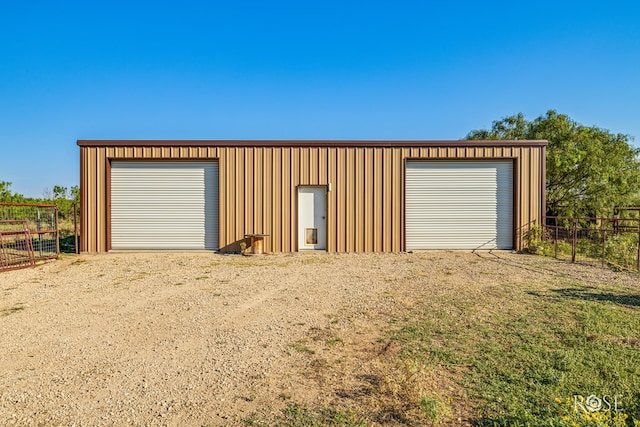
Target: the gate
pixel 28 233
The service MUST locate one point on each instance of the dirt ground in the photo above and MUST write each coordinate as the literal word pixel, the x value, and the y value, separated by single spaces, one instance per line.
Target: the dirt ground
pixel 193 339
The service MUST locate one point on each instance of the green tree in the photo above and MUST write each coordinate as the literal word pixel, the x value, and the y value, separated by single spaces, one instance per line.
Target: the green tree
pixel 75 194
pixel 64 198
pixel 59 192
pixel 590 171
pixel 6 195
pixel 5 192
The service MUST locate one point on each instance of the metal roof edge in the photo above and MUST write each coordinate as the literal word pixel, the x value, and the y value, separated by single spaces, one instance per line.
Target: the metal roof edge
pixel 307 143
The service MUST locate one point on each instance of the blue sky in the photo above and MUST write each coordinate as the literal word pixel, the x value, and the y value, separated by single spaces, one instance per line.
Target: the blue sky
pixel 300 70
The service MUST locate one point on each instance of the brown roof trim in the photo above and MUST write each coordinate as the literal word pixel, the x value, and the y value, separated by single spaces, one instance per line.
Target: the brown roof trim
pixel 306 143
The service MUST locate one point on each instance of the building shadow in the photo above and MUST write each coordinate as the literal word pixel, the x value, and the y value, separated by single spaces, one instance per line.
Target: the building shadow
pixel 589 293
pixel 234 247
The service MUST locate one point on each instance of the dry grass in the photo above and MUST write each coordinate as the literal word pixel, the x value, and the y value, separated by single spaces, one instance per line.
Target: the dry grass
pixel 420 339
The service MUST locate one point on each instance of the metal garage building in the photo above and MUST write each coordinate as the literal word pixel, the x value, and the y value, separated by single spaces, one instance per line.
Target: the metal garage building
pixel 339 196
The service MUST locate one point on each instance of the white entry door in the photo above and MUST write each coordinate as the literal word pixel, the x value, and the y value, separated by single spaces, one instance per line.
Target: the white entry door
pixel 312 218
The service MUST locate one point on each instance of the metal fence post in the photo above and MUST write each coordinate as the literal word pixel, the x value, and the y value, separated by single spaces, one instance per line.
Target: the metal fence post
pixel 574 240
pixel 75 229
pixel 55 210
pixel 604 242
pixel 39 227
pixel 638 261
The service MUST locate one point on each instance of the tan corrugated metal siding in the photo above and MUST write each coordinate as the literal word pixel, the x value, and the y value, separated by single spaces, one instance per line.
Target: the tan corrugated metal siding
pixel 258 186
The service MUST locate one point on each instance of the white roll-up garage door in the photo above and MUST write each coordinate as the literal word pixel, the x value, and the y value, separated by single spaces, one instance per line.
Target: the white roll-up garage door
pixel 459 204
pixel 164 205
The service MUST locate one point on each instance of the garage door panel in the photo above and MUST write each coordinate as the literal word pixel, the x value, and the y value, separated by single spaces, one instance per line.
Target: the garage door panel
pixel 459 204
pixel 164 205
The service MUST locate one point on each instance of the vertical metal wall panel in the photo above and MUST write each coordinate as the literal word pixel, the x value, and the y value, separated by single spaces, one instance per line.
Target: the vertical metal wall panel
pixel 249 192
pixel 101 193
pixel 331 200
pixel 235 212
pixel 287 201
pixel 267 199
pixel 341 197
pixel 397 216
pixel 387 193
pixel 303 156
pixel 222 195
pixel 323 161
pixel 358 211
pixel 368 197
pixel 294 183
pixel 84 202
pixel 94 202
pixel 226 196
pixel 257 189
pixel 377 178
pixel 258 192
pixel 239 189
pixel 351 236
pixel 233 203
pixel 309 166
pixel 276 232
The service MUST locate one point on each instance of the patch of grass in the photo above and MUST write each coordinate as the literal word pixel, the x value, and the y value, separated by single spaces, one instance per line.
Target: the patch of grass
pixel 15 309
pixel 333 341
pixel 495 354
pixel 520 350
pixel 251 421
pixel 139 276
pixel 302 347
pixel 282 264
pixel 401 391
pixel 315 259
pixel 298 415
pixel 258 261
pixel 333 318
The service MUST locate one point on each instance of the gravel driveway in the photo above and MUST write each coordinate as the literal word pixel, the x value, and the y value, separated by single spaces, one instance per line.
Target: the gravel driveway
pixel 192 339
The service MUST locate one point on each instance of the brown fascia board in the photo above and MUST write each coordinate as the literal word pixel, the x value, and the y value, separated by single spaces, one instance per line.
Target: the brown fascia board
pixel 307 143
